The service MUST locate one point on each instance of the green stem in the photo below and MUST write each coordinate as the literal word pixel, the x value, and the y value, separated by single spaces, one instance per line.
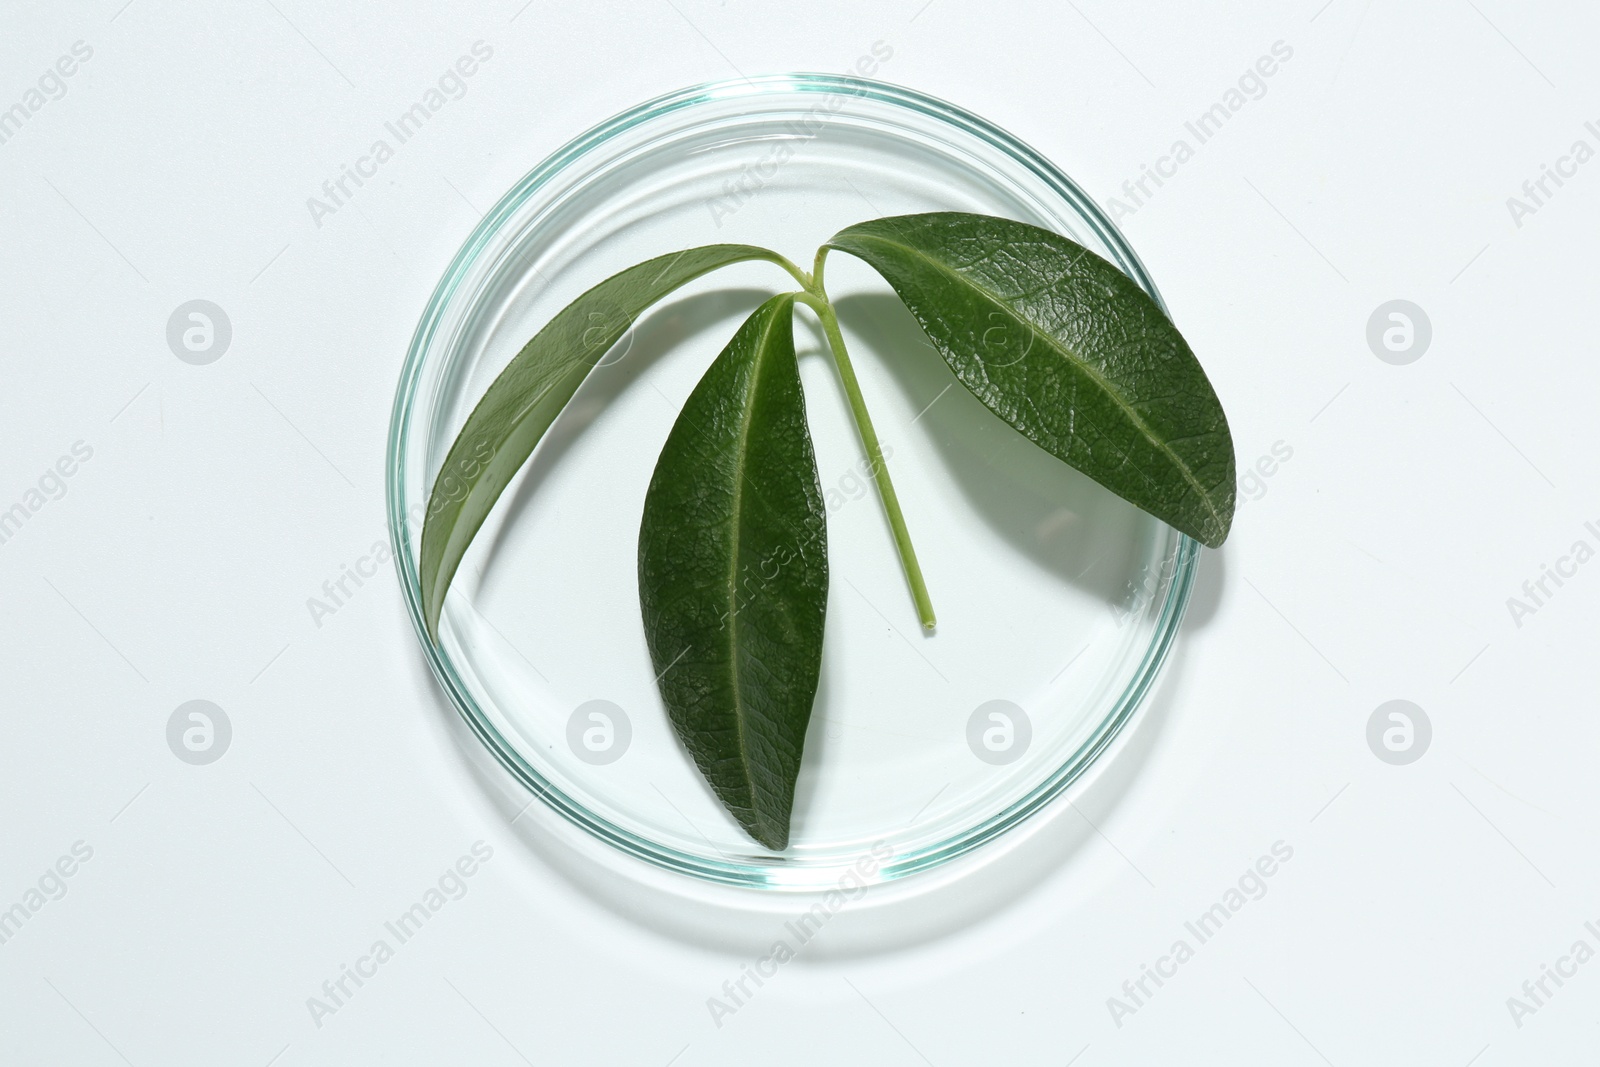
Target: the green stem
pixel 794 272
pixel 817 301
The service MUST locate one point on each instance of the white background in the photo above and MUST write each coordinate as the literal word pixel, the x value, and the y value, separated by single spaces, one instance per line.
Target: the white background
pixel 1376 565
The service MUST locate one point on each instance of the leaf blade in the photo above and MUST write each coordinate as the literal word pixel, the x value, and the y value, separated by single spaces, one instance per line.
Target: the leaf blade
pixel 519 406
pixel 733 574
pixel 1069 351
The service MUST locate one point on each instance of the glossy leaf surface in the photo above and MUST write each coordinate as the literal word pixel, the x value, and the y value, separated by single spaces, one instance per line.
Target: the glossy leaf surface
pixel 733 573
pixel 1068 350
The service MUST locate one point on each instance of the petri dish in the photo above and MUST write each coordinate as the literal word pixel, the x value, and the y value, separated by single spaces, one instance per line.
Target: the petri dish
pixel 1058 601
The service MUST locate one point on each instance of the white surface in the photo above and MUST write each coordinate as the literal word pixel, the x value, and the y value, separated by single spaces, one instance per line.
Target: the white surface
pixel 1375 566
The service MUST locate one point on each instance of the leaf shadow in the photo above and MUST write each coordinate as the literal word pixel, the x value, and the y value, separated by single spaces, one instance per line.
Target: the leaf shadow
pixel 1035 502
pixel 649 339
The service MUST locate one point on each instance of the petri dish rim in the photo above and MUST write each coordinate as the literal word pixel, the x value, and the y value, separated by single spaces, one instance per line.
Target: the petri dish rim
pixel 723 871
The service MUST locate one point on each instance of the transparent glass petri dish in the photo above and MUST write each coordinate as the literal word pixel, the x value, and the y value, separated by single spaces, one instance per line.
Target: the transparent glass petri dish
pixel 1057 601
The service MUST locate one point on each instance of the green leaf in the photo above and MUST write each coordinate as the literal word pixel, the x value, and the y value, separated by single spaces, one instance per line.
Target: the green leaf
pixel 733 573
pixel 524 400
pixel 1068 350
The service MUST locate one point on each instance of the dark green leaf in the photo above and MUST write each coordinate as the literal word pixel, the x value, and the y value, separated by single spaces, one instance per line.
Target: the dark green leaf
pixel 733 573
pixel 1068 350
pixel 524 400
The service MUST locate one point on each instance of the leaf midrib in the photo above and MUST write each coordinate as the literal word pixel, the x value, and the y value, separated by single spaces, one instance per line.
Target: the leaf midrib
pixel 1093 374
pixel 745 422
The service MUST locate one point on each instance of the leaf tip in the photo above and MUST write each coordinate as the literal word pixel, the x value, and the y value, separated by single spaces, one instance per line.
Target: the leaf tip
pixel 1222 522
pixel 770 830
pixel 1212 535
pixel 1218 532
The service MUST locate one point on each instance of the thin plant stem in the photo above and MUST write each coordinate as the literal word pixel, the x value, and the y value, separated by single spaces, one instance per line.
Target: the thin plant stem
pixel 794 272
pixel 817 301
